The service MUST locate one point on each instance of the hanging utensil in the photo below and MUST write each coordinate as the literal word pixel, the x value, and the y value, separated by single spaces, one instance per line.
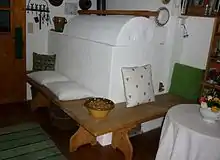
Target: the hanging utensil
pixel 40 21
pixel 28 7
pixel 44 14
pixel 32 7
pixel 36 8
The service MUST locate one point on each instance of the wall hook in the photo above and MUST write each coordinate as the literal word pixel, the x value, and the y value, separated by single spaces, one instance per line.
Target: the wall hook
pixel 185 32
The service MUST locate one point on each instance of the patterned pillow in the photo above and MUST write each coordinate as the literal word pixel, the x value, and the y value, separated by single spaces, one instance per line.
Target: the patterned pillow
pixel 138 85
pixel 42 62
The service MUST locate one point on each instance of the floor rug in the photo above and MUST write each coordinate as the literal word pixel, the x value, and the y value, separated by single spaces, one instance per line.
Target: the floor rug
pixel 27 142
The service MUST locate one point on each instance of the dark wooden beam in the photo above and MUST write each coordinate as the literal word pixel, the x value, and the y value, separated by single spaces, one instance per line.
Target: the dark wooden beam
pixel 143 13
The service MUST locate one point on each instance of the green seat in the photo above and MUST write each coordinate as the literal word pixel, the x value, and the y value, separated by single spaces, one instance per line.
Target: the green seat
pixel 186 81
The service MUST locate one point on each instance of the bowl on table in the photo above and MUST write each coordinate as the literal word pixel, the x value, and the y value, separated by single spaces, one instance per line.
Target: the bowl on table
pixel 99 107
pixel 209 116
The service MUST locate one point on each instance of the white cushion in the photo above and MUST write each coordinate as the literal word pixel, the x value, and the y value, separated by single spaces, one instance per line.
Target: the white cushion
pixel 69 90
pixel 138 85
pixel 43 77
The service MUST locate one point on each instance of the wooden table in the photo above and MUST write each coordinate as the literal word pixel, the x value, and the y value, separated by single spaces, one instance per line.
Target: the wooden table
pixel 119 121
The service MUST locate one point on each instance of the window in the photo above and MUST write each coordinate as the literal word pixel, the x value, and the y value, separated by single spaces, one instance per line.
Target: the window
pixel 5 3
pixel 4 21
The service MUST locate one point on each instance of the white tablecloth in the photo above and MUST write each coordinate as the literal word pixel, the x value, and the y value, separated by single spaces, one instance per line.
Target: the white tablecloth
pixel 185 136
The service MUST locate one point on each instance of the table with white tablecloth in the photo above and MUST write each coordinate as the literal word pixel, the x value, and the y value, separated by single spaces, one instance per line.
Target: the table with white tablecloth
pixel 185 136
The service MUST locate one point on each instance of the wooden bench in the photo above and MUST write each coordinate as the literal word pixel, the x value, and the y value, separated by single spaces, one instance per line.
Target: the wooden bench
pixel 120 121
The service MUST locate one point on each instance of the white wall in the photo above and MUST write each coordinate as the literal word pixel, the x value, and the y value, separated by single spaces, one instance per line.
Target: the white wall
pixel 163 37
pixel 37 41
pixel 191 51
pixel 195 48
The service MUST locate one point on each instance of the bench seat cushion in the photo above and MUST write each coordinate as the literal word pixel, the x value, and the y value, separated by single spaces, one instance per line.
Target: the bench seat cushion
pixel 70 90
pixel 44 77
pixel 186 81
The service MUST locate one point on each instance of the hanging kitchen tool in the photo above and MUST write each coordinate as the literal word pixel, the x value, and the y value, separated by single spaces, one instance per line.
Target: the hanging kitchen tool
pixel 59 23
pixel 36 9
pixel 32 7
pixel 101 5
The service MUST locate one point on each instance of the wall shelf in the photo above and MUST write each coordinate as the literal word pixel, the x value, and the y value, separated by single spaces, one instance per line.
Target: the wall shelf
pixel 215 58
pixel 199 10
pixel 206 84
pixel 144 13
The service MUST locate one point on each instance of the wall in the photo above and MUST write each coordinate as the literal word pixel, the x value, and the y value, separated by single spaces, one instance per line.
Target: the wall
pixel 163 37
pixel 37 41
pixel 200 30
pixel 192 50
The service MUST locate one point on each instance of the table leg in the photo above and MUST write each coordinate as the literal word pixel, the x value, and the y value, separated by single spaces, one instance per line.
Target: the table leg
pixel 81 137
pixel 121 141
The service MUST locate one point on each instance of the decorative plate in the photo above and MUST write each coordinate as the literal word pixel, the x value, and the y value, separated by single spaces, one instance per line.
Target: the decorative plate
pixel 163 16
pixel 165 1
pixel 56 2
pixel 85 4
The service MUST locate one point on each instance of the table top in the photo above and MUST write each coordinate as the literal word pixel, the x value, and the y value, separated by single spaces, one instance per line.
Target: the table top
pixel 188 116
pixel 120 117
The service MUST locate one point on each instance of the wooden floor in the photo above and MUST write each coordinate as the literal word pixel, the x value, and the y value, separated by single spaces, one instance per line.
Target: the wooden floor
pixel 145 145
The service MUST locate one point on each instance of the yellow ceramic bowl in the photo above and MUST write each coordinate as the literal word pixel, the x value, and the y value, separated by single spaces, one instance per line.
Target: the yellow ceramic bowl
pixel 98 114
pixel 99 107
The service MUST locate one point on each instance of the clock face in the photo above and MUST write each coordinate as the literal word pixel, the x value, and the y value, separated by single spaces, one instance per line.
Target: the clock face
pixel 163 16
pixel 165 1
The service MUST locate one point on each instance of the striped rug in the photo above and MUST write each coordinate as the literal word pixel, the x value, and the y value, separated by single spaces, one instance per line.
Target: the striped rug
pixel 27 142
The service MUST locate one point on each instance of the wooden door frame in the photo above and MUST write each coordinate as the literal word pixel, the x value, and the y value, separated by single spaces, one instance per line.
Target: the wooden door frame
pixel 16 77
pixel 21 8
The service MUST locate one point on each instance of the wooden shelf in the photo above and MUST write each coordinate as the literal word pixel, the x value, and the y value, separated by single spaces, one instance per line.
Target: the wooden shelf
pixel 198 15
pixel 217 35
pixel 215 59
pixel 198 11
pixel 206 84
pixel 144 13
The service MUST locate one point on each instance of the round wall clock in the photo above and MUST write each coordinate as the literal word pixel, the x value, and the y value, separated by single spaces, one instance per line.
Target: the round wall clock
pixel 163 16
pixel 165 1
pixel 56 2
